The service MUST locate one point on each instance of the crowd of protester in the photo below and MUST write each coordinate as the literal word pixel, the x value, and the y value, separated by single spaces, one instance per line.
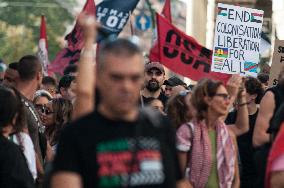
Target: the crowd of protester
pixel 120 123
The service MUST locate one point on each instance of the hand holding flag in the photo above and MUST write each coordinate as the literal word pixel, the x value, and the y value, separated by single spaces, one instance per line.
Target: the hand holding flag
pixel 86 78
pixel 105 12
pixel 71 54
pixel 88 24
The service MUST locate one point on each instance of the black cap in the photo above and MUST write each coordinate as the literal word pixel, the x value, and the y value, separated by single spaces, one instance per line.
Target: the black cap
pixel 174 81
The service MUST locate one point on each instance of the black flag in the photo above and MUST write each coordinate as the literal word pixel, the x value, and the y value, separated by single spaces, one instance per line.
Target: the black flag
pixel 113 16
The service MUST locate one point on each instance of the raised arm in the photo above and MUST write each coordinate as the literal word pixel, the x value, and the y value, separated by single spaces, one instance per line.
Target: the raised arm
pixel 241 125
pixel 84 103
pixel 266 109
pixel 233 85
pixel 236 89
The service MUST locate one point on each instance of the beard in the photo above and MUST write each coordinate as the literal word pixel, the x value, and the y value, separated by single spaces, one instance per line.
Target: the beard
pixel 153 85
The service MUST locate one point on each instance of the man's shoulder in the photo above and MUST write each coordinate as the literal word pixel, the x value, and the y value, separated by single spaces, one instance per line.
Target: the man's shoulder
pixel 28 106
pixel 275 91
pixel 82 123
pixel 272 90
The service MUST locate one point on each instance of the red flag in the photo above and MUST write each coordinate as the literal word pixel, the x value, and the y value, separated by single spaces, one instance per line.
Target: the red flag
pixel 71 54
pixel 62 59
pixel 75 38
pixel 183 55
pixel 166 12
pixel 42 46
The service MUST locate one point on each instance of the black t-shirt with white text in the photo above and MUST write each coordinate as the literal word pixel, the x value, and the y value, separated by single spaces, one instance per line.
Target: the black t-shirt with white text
pixel 108 153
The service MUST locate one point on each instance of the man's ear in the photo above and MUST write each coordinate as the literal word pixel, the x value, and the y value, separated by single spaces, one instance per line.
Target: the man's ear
pixel 39 77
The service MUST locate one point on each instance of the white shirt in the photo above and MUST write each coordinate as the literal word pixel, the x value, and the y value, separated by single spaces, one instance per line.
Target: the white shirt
pixel 29 151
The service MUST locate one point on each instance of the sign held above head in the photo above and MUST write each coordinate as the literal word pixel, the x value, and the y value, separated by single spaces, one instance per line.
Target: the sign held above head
pixel 277 62
pixel 237 40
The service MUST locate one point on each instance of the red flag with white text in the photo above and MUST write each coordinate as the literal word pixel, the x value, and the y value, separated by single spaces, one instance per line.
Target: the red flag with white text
pixel 183 55
pixel 43 47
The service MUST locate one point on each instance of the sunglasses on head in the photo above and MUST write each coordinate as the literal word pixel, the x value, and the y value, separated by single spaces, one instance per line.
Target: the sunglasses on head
pixel 184 92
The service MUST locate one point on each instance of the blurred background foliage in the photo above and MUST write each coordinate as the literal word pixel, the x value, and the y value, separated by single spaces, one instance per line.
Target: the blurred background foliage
pixel 20 24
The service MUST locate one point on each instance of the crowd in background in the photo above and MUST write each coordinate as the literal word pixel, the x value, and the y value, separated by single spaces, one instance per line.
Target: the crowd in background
pixel 224 134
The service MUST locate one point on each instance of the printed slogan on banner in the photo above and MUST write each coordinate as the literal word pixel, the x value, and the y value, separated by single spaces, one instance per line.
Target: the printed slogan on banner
pixel 237 40
pixel 277 62
pixel 183 55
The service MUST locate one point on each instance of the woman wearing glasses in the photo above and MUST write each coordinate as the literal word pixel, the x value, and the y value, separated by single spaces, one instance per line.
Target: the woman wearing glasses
pixel 207 146
pixel 41 99
pixel 56 114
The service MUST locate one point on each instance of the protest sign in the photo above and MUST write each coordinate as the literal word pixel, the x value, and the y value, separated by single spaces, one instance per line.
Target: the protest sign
pixel 237 40
pixel 277 62
pixel 183 55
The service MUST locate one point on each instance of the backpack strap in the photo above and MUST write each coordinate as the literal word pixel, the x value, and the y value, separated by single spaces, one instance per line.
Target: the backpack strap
pixel 191 129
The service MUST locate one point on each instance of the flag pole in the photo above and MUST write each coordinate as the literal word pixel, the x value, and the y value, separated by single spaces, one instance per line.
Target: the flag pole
pixel 131 24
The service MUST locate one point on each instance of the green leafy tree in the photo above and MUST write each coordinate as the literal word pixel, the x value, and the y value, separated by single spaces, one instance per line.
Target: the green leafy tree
pixel 20 24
